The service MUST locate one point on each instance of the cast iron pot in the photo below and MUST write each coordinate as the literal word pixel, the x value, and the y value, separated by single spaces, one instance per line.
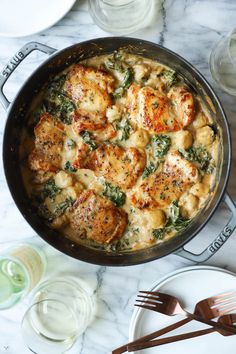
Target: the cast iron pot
pixel 17 112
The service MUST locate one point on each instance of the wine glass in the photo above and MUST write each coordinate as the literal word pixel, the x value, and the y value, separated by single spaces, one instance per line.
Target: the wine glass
pixel 61 310
pixel 223 63
pixel 121 16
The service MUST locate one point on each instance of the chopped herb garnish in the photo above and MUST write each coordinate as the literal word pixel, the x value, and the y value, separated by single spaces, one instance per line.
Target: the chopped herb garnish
pixel 150 168
pixel 162 196
pixel 200 155
pixel 87 138
pixel 70 168
pixel 50 189
pixel 115 194
pixel 161 144
pixel 71 144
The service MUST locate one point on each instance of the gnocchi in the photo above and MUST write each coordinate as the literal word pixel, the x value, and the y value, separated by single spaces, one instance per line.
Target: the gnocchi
pixel 205 136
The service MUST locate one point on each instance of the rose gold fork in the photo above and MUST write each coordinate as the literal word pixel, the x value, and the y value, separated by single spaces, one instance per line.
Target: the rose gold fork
pixel 226 319
pixel 170 306
pixel 208 308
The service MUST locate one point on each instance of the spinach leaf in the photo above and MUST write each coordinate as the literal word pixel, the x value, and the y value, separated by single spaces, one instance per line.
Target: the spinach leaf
pixel 174 211
pixel 50 189
pixel 200 155
pixel 60 106
pixel 125 128
pixel 150 168
pixel 170 77
pixel 175 222
pixel 118 93
pixel 115 194
pixel 87 138
pixel 49 216
pixel 161 144
pixel 158 233
pixel 127 81
pixel 61 207
pixel 44 212
pixel 70 168
pixel 114 62
pixel 57 102
pixel 71 144
pixel 128 78
pixel 57 83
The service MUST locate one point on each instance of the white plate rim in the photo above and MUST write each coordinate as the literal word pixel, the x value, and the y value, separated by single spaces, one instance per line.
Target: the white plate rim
pixel 25 34
pixel 162 281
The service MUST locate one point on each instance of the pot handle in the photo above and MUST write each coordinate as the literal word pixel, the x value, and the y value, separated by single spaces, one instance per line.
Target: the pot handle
pixel 219 240
pixel 15 61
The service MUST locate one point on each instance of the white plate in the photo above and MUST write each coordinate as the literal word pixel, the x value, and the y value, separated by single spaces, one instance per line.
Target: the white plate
pixel 20 18
pixel 190 285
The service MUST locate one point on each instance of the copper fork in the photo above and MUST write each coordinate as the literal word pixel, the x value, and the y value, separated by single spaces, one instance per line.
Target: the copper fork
pixel 170 306
pixel 229 319
pixel 209 308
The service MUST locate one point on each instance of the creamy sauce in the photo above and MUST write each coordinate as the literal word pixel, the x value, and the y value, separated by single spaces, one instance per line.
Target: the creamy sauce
pixel 143 222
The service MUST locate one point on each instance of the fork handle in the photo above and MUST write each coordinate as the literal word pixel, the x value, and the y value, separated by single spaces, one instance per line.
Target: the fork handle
pixel 152 335
pixel 179 337
pixel 213 324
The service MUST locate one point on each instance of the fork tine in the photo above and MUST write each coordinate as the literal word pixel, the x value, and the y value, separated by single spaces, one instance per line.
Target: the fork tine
pixel 148 307
pixel 227 310
pixel 225 299
pixel 226 293
pixel 224 304
pixel 221 297
pixel 150 298
pixel 161 296
pixel 148 302
pixel 153 293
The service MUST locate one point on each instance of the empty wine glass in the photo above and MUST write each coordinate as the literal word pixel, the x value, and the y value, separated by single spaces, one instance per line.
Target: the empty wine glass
pixel 121 16
pixel 223 63
pixel 60 312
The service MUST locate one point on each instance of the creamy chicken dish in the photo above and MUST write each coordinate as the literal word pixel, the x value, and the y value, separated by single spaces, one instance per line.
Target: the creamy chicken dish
pixel 119 153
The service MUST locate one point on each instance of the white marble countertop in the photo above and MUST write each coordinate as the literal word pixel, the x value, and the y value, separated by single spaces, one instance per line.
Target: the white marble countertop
pixel 190 28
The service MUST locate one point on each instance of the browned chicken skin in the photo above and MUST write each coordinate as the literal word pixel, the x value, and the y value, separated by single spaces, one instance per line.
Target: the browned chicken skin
pixel 117 165
pixel 156 112
pixel 160 189
pixel 90 89
pixel 49 140
pixel 96 218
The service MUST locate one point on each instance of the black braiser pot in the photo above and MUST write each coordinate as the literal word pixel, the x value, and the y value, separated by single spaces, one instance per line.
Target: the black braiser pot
pixel 16 118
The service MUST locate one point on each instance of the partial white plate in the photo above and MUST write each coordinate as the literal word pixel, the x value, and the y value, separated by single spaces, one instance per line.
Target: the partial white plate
pixel 19 18
pixel 190 285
